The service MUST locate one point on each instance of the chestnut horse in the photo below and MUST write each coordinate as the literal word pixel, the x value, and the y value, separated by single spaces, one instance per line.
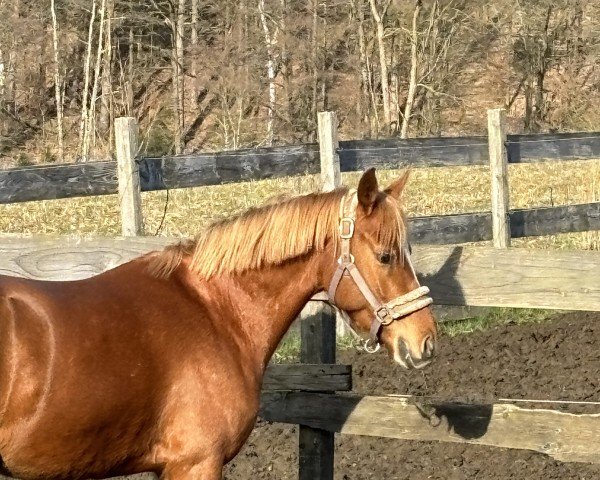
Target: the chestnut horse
pixel 157 365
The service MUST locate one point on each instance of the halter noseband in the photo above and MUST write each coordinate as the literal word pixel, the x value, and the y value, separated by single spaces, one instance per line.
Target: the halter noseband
pixel 384 313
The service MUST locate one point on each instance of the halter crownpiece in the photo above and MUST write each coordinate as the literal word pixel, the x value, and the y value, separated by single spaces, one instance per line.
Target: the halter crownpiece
pixel 383 313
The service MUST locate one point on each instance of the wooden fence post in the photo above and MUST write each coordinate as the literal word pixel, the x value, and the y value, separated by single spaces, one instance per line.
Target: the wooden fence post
pixel 328 147
pixel 130 200
pixel 499 173
pixel 331 176
pixel 316 447
pixel 318 324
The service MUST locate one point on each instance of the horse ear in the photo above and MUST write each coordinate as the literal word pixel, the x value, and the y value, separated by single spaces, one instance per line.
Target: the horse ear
pixel 396 188
pixel 368 189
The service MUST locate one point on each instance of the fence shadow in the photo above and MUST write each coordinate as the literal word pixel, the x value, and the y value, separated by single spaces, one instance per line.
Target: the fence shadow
pixel 445 287
pixel 469 421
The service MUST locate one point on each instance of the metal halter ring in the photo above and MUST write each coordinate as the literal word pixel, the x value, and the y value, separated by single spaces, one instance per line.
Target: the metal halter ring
pixel 367 346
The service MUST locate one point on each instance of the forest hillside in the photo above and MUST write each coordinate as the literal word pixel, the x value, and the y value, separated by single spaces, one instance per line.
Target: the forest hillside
pixel 215 75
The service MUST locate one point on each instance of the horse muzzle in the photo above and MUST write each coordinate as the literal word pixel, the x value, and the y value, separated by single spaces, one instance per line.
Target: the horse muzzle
pixel 404 357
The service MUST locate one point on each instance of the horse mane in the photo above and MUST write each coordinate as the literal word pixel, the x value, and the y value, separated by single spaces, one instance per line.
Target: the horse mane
pixel 270 235
pixel 161 264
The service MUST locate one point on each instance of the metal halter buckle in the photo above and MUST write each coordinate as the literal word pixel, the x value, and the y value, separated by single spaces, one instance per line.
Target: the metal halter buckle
pixel 346 227
pixel 384 315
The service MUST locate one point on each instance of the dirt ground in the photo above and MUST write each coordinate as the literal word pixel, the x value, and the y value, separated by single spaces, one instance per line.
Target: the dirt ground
pixel 554 360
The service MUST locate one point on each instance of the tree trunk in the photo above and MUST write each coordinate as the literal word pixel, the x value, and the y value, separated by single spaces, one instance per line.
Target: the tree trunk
pixel 130 70
pixel 394 89
pixel 2 84
pixel 270 39
pixel 177 26
pixel 365 73
pixel 378 17
pixel 315 69
pixel 83 126
pixel 41 78
pixel 57 84
pixel 285 61
pixel 106 106
pixel 11 95
pixel 539 112
pixel 195 52
pixel 528 118
pixel 89 134
pixel 181 70
pixel 412 85
pixel 11 63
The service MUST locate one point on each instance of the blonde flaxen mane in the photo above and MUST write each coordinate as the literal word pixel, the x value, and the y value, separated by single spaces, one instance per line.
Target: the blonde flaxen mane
pixel 271 235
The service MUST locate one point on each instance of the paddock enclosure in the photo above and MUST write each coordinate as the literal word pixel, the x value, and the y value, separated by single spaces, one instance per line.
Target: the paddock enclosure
pixel 394 424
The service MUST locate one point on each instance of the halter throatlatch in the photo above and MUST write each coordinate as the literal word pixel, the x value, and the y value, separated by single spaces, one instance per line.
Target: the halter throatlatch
pixel 383 313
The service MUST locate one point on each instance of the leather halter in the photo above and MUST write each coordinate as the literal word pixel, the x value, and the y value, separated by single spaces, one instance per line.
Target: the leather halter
pixel 383 313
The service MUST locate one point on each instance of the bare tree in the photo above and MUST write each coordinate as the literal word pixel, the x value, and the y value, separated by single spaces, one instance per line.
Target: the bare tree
pixel 11 62
pixel 378 18
pixel 83 123
pixel 195 43
pixel 106 106
pixel 533 54
pixel 89 132
pixel 412 83
pixel 263 73
pixel 270 42
pixel 314 50
pixel 177 25
pixel 2 79
pixel 57 83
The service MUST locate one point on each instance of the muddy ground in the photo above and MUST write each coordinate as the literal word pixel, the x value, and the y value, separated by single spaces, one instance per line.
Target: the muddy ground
pixel 559 359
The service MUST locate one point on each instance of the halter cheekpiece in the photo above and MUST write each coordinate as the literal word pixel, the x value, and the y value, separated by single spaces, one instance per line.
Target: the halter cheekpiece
pixel 383 313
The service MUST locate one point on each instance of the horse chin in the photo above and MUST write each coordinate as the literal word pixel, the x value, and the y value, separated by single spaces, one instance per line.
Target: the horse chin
pixel 402 361
pixel 408 363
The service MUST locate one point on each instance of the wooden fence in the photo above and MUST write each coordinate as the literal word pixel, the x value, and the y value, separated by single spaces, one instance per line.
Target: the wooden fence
pixel 457 275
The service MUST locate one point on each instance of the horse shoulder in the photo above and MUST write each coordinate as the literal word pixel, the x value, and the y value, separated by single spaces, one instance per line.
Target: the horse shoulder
pixel 26 351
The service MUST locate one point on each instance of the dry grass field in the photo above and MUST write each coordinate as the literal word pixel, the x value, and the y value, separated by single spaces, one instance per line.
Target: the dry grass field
pixel 431 191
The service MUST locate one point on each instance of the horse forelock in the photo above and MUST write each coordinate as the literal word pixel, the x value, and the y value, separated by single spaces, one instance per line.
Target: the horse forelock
pixel 392 232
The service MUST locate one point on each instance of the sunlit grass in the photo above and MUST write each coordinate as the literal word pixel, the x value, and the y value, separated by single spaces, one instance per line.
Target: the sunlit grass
pixel 288 350
pixel 431 191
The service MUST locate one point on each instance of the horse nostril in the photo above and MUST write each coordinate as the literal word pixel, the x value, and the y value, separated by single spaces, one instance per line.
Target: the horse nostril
pixel 428 347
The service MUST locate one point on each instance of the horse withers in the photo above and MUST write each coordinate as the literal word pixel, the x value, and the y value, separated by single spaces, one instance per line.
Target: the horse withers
pixel 157 365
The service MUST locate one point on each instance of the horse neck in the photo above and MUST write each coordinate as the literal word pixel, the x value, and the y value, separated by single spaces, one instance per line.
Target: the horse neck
pixel 262 304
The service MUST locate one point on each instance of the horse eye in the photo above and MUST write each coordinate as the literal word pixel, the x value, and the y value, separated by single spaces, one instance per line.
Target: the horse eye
pixel 385 258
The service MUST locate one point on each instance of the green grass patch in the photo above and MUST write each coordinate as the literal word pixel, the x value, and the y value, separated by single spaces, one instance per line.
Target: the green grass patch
pixel 288 350
pixel 491 317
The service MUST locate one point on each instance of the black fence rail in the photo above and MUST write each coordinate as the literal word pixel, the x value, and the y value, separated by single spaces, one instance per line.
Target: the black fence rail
pixel 159 173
